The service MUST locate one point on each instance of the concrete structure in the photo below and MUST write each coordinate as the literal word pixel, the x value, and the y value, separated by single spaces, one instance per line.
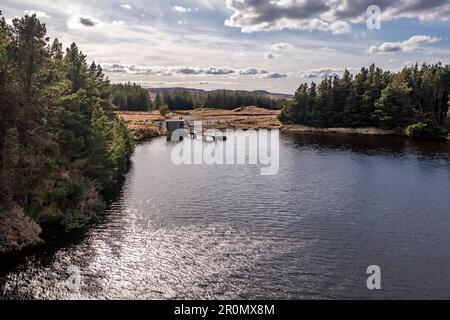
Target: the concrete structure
pixel 172 125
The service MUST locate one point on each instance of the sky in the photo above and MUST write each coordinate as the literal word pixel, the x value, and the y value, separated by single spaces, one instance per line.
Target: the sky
pixel 272 45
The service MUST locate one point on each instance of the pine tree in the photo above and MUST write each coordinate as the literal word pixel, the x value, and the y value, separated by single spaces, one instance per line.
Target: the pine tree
pixel 351 110
pixel 56 124
pixel 5 42
pixel 76 68
pixel 325 105
pixel 158 102
pixel 29 54
pixel 341 91
pixel 395 107
pixel 367 99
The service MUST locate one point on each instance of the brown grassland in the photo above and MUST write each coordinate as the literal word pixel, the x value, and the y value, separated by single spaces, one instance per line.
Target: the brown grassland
pixel 147 124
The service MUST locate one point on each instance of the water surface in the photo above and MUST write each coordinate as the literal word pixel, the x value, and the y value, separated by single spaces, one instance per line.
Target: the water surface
pixel 338 205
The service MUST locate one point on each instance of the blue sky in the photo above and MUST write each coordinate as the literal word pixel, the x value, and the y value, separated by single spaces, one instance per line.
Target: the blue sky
pixel 243 44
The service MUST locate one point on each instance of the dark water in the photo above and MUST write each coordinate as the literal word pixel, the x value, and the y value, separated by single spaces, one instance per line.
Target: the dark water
pixel 338 205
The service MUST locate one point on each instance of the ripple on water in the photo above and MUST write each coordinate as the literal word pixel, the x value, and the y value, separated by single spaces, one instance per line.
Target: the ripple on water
pixel 186 262
pixel 338 205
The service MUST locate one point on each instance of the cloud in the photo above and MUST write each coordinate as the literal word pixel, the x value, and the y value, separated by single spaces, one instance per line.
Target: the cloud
pixel 117 68
pixel 270 56
pixel 356 11
pixel 274 75
pixel 340 27
pixel 323 73
pixel 327 49
pixel 184 9
pixel 410 45
pixel 281 46
pixel 220 84
pixel 126 6
pixel 80 22
pixel 324 15
pixel 252 71
pixel 127 69
pixel 39 14
pixel 251 16
pixel 208 71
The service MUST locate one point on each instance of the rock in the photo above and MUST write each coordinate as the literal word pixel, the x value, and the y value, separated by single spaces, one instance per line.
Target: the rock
pixel 17 230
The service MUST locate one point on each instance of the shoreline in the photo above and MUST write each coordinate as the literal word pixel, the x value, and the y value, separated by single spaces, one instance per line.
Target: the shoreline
pixel 368 131
pixel 145 125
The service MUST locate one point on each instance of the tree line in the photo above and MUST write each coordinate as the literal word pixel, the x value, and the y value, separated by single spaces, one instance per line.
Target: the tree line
pixel 220 99
pixel 131 97
pixel 416 97
pixel 61 144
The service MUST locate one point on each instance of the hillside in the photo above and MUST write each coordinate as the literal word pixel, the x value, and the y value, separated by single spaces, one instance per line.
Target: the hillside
pixel 154 91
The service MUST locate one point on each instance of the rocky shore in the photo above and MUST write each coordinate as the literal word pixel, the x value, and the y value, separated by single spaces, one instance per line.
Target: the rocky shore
pixel 361 131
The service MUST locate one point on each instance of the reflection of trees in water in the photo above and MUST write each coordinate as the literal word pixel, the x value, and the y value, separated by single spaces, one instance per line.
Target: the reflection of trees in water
pixel 55 238
pixel 373 145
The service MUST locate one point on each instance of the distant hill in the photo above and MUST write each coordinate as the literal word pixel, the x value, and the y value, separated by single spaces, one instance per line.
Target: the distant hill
pixel 276 96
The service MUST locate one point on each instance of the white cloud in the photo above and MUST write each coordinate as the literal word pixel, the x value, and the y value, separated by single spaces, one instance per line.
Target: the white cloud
pixel 39 14
pixel 184 9
pixel 281 46
pixel 82 22
pixel 126 6
pixel 219 84
pixel 252 16
pixel 340 27
pixel 126 69
pixel 323 73
pixel 274 75
pixel 252 71
pixel 328 49
pixel 326 15
pixel 164 71
pixel 410 45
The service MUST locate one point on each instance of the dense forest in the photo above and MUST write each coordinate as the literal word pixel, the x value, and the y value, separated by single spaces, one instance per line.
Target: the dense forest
pixel 415 98
pixel 220 99
pixel 130 97
pixel 60 142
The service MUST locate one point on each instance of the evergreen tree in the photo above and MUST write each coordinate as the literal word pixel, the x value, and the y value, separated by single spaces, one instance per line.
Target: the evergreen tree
pixel 76 68
pixel 29 54
pixel 56 124
pixel 395 107
pixel 375 98
pixel 158 102
pixel 130 97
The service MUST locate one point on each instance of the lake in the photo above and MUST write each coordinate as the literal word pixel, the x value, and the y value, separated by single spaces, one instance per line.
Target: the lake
pixel 338 204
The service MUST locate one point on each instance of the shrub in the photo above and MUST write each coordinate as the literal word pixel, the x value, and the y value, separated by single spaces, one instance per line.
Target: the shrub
pixel 17 230
pixel 283 117
pixel 164 110
pixel 427 132
pixel 75 220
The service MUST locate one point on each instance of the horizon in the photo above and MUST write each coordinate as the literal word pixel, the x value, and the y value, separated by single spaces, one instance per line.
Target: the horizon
pixel 243 45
